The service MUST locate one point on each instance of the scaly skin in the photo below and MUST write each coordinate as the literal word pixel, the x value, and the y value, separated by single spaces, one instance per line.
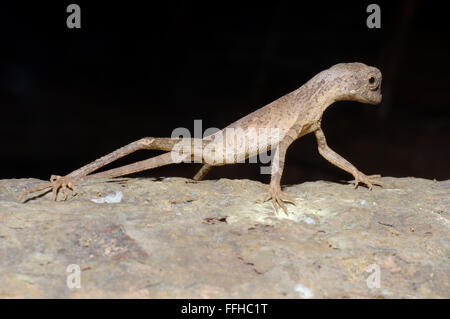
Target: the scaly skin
pixel 274 126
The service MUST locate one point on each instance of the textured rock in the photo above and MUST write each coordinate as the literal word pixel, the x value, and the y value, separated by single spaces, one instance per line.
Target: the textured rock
pixel 178 238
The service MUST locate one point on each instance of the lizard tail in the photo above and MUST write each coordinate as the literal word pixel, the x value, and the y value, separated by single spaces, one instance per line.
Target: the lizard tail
pixel 34 189
pixel 157 161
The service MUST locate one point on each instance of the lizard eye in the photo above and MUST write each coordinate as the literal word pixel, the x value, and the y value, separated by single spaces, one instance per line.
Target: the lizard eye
pixel 373 83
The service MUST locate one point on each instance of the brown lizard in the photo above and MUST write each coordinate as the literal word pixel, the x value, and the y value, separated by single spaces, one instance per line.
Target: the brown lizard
pixel 282 122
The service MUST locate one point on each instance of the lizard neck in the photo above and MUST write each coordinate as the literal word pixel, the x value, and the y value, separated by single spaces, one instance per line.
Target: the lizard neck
pixel 314 97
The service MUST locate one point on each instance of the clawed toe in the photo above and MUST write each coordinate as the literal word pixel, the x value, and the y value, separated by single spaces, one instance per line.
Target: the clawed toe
pixel 62 183
pixel 368 180
pixel 56 183
pixel 278 199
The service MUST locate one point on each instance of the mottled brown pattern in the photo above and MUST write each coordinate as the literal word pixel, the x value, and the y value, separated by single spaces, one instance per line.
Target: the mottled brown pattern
pixel 292 116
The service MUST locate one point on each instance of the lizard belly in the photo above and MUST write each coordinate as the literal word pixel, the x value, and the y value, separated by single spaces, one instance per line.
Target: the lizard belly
pixel 233 145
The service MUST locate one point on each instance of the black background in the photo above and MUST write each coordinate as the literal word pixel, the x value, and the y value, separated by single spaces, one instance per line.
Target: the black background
pixel 135 69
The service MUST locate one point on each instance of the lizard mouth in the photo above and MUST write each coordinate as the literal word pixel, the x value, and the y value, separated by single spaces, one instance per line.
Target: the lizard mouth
pixel 377 98
pixel 375 95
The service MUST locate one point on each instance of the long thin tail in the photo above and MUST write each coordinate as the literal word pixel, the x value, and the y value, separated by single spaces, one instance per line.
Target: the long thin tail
pixel 157 161
pixel 35 189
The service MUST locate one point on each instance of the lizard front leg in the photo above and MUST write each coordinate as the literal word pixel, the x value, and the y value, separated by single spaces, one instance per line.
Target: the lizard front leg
pixel 275 192
pixel 343 164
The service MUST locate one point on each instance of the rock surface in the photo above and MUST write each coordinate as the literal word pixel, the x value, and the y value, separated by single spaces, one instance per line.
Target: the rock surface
pixel 176 238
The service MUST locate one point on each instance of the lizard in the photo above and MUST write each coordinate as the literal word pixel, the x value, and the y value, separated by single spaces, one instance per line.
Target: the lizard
pixel 283 121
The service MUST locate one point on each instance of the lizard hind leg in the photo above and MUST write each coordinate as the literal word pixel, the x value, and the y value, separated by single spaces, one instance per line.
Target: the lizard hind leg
pixel 56 183
pixel 63 183
pixel 67 182
pixel 202 172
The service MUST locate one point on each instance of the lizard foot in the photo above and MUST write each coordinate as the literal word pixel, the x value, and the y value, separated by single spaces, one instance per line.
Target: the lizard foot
pixel 368 180
pixel 278 196
pixel 56 183
pixel 62 183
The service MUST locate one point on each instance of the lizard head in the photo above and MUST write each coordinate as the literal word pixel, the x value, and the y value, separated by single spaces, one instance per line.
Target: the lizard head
pixel 357 82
